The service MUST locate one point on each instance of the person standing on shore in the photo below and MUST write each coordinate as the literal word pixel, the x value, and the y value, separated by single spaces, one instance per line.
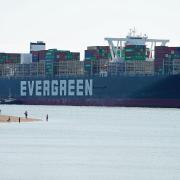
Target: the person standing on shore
pixel 47 117
pixel 19 119
pixel 9 119
pixel 26 114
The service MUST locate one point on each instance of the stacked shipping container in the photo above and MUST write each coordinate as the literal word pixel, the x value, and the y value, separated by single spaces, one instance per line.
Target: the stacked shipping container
pixel 95 58
pixel 41 55
pixel 55 55
pixel 35 56
pixel 135 52
pixel 160 53
pixel 10 58
pixel 50 56
pixel 2 58
pixel 97 52
pixel 164 57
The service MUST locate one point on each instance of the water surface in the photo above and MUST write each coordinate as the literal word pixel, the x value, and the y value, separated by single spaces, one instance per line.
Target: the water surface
pixel 89 143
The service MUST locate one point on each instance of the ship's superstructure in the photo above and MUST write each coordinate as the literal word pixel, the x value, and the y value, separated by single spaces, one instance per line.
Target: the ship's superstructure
pixel 117 45
pixel 37 46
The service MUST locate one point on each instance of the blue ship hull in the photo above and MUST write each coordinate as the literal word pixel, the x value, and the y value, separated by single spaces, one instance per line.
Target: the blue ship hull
pixel 135 91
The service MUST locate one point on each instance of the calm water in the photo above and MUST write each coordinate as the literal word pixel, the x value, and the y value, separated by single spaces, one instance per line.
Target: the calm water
pixel 89 143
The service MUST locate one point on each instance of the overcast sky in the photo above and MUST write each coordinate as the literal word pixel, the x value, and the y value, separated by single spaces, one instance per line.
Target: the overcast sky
pixel 75 24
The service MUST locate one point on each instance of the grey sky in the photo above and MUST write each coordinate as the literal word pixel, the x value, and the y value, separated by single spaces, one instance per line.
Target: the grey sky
pixel 74 25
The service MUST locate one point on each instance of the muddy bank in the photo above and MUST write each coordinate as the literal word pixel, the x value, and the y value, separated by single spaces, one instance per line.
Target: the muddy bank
pixel 8 119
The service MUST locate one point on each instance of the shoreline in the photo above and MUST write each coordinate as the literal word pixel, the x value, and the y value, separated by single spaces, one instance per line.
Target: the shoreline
pixel 9 119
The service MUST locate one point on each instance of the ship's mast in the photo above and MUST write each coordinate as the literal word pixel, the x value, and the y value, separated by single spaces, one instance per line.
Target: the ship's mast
pixel 117 44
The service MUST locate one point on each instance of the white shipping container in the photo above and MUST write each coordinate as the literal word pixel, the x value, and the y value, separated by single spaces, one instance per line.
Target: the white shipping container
pixel 26 58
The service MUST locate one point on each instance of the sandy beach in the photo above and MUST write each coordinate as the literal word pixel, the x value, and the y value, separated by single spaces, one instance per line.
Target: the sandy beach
pixel 8 119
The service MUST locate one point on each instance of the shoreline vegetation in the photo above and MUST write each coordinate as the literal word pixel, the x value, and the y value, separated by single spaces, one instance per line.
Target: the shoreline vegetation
pixel 9 119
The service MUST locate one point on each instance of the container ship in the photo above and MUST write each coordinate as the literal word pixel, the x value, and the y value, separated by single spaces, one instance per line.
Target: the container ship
pixel 134 71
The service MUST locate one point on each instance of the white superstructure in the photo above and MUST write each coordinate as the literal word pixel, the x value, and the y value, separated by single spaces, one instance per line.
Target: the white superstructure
pixel 37 46
pixel 117 44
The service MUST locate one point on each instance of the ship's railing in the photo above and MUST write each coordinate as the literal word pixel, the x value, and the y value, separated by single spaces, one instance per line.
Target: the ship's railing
pixel 101 68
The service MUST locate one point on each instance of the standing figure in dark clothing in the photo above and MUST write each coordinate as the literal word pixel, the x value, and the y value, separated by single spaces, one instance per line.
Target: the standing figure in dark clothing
pixel 26 114
pixel 47 117
pixel 9 119
pixel 19 119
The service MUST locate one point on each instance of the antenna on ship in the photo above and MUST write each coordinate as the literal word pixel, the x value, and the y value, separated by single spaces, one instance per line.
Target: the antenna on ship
pixel 130 32
pixel 134 32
